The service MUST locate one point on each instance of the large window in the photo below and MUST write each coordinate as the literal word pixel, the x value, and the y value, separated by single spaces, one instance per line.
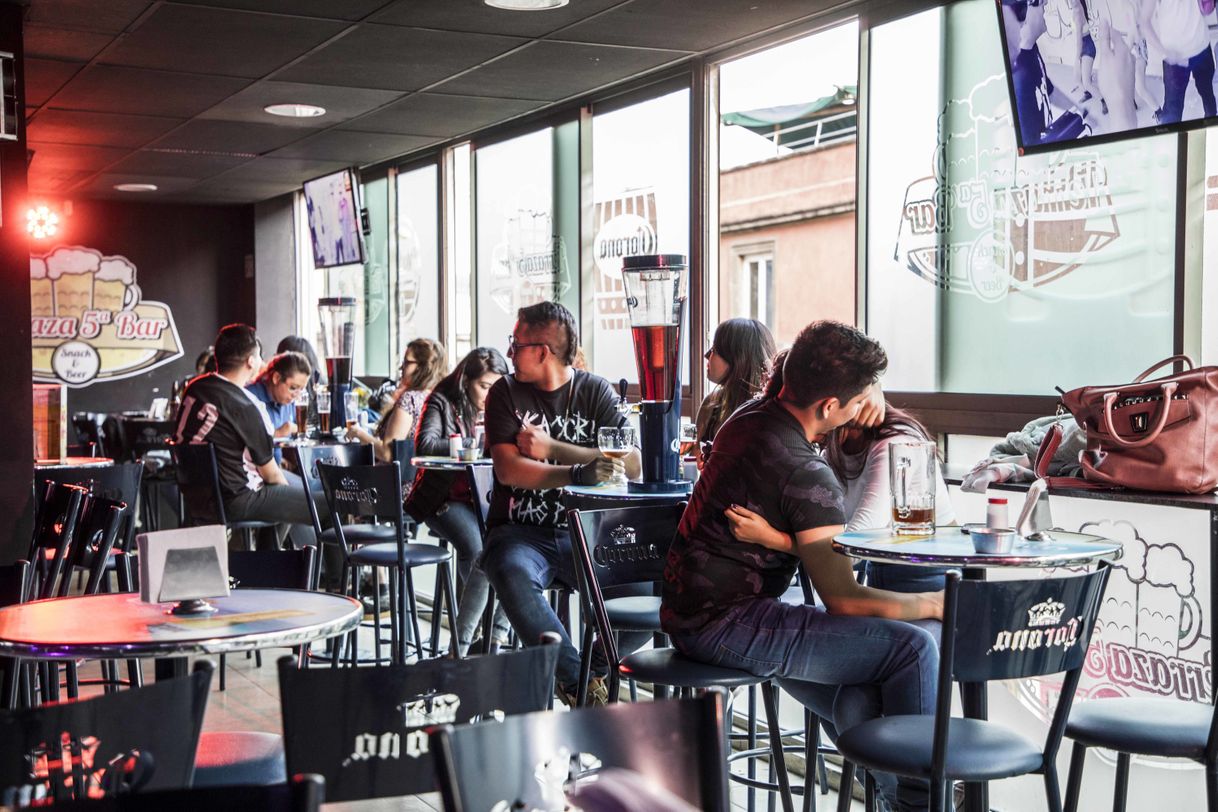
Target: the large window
pixel 416 289
pixel 640 190
pixel 788 123
pixel 991 273
pixel 521 259
pixel 459 237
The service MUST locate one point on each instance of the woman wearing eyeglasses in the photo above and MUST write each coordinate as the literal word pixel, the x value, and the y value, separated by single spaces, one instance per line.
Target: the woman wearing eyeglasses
pixel 738 360
pixel 423 365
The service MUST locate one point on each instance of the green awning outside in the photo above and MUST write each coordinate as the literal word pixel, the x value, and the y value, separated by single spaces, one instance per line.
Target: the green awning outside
pixel 794 125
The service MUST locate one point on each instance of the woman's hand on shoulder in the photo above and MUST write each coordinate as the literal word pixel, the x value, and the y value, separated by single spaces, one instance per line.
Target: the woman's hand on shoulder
pixel 751 527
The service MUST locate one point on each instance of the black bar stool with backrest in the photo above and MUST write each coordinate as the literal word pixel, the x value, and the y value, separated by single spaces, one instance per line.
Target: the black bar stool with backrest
pixel 146 442
pixel 202 500
pixel 630 546
pixel 374 492
pixel 677 745
pixel 992 630
pixel 15 589
pixel 365 729
pixel 1144 726
pixel 343 455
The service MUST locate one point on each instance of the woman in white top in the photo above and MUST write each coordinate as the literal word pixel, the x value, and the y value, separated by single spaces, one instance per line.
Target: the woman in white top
pixel 423 365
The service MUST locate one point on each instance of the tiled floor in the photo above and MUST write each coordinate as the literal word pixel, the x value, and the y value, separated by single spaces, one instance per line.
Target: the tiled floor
pixel 251 702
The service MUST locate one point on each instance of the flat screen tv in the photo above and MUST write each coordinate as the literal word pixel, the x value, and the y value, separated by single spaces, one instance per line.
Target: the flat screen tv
pixel 334 221
pixel 1089 71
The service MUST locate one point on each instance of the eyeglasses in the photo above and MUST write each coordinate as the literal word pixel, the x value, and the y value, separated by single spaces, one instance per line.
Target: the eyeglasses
pixel 708 353
pixel 514 345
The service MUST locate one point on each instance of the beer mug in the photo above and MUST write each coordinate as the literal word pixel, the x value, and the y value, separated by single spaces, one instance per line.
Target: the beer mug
pixel 913 474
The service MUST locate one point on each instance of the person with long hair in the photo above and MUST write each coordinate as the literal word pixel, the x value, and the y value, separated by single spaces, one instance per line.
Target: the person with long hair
pixel 442 499
pixel 276 388
pixel 858 456
pixel 736 362
pixel 423 365
pixel 302 345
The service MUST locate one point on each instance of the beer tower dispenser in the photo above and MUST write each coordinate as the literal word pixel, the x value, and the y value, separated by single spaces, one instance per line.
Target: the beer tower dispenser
pixel 656 288
pixel 337 315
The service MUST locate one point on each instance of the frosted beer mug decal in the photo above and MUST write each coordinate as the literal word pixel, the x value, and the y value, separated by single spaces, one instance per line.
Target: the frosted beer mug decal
pixel 89 321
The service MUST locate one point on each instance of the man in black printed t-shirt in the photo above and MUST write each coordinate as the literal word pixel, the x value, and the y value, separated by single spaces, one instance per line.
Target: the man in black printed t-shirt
pixel 541 425
pixel 218 409
pixel 721 603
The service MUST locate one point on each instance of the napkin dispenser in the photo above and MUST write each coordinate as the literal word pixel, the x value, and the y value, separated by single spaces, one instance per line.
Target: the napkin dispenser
pixel 1035 519
pixel 184 566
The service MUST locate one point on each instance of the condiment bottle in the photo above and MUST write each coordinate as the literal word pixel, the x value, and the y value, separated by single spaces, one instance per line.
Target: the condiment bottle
pixel 996 516
pixel 454 446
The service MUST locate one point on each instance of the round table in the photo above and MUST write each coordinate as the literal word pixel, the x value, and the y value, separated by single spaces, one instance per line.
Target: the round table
pixel 951 547
pixel 447 463
pixel 72 462
pixel 592 497
pixel 120 626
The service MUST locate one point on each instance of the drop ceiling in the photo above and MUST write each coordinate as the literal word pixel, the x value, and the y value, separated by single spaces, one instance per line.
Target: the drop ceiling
pixel 172 93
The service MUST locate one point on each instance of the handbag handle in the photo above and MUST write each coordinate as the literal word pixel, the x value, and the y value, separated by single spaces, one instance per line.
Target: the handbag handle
pixel 1181 358
pixel 1168 389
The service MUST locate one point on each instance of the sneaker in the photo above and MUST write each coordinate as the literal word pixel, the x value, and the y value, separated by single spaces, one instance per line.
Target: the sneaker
pixel 598 694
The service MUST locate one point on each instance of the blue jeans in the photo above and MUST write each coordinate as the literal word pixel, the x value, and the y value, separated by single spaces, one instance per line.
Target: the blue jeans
pixel 1175 83
pixel 457 523
pixel 847 669
pixel 905 577
pixel 523 561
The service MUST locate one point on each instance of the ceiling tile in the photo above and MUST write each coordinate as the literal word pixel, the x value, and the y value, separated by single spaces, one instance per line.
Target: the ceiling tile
pixel 111 89
pixel 293 171
pixel 356 147
pixel 56 181
pixel 341 10
pixel 229 136
pixel 218 41
pixel 531 73
pixel 176 164
pixel 441 115
pixel 52 157
pixel 341 103
pixel 44 77
pixel 63 43
pixel 112 15
pixel 385 56
pixel 104 129
pixel 476 16
pixel 226 190
pixel 674 25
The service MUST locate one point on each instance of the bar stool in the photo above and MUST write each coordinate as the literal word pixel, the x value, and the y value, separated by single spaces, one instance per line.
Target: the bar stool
pixel 374 492
pixel 199 485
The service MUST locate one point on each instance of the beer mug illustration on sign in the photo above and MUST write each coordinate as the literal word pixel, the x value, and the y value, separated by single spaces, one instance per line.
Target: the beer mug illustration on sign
pixel 913 474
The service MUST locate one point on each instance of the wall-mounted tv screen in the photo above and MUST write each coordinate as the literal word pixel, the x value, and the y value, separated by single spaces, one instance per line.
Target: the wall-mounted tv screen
pixel 1098 70
pixel 334 222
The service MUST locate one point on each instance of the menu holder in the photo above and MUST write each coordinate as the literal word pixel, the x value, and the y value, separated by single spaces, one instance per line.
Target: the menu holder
pixel 186 566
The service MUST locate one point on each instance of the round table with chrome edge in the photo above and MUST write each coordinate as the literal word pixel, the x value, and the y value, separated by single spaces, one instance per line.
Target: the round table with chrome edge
pixel 447 463
pixel 950 546
pixel 121 626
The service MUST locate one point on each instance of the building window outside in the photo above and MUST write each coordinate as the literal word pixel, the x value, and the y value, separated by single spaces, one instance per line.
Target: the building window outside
pixel 416 286
pixel 640 187
pixel 459 304
pixel 1059 265
pixel 787 146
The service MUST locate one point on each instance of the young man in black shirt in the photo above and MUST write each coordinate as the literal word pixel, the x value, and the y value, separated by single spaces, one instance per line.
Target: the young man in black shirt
pixel 541 426
pixel 218 409
pixel 849 661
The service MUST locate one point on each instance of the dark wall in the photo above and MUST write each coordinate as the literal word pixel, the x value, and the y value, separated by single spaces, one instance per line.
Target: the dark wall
pixel 192 258
pixel 17 450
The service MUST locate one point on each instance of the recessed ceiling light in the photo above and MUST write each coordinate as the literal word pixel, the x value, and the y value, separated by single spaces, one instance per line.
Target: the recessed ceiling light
pixel 526 5
pixel 135 187
pixel 295 110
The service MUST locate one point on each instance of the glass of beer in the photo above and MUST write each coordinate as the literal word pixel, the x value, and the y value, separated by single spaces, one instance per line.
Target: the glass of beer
pixel 323 410
pixel 689 438
pixel 351 409
pixel 302 414
pixel 616 444
pixel 913 472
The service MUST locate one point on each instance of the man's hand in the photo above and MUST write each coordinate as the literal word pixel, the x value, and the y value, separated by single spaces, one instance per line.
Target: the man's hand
pixel 601 469
pixel 534 442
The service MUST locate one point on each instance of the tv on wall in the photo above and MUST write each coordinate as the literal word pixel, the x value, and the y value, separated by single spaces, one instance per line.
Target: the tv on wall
pixel 332 207
pixel 1089 71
